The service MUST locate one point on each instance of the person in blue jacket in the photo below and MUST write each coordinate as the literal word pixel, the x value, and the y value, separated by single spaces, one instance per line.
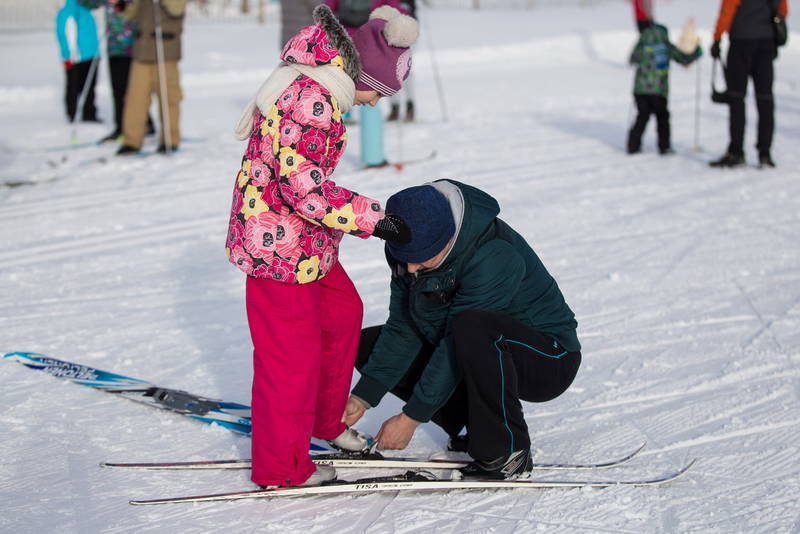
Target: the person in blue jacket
pixel 77 39
pixel 476 324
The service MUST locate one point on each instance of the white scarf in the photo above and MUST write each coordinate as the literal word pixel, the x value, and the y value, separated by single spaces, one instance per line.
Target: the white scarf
pixel 333 78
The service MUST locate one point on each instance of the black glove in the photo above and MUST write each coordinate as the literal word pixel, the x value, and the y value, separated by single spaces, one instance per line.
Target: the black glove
pixel 392 228
pixel 715 50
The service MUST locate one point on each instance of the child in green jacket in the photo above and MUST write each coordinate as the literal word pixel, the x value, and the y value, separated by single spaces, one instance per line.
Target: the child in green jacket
pixel 652 56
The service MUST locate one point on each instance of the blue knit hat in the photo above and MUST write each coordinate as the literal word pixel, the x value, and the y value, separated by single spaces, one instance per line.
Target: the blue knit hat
pixel 427 214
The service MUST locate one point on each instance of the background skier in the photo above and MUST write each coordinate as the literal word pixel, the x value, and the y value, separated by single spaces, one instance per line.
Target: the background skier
pixel 295 15
pixel 352 14
pixel 145 77
pixel 77 40
pixel 120 35
pixel 652 55
pixel 406 94
pixel 476 323
pixel 749 25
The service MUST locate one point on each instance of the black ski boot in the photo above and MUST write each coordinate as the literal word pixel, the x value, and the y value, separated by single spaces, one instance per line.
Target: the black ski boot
pixel 409 111
pixel 516 464
pixel 729 161
pixel 765 161
pixel 127 150
pixel 394 114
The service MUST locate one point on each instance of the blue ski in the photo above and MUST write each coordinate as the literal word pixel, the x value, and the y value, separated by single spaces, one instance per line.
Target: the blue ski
pixel 231 415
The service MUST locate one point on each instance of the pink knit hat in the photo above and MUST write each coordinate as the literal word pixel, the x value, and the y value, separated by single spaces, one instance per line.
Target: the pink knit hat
pixel 383 43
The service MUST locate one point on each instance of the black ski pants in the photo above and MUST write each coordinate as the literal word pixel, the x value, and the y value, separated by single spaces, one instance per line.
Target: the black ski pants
pixel 119 68
pixel 77 77
pixel 750 58
pixel 502 361
pixel 647 105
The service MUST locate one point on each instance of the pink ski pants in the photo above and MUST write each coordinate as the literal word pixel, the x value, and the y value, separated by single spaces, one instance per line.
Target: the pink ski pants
pixel 305 338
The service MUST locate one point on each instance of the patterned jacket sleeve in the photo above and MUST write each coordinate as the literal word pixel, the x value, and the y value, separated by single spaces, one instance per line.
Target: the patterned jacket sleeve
pixel 682 57
pixel 307 148
pixel 637 53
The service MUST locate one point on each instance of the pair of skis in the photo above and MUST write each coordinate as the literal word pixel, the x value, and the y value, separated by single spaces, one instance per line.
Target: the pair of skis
pixel 236 417
pixel 418 477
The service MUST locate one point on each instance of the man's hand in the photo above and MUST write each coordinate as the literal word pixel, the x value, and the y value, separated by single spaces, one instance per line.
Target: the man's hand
pixel 396 432
pixel 353 411
pixel 68 64
pixel 715 52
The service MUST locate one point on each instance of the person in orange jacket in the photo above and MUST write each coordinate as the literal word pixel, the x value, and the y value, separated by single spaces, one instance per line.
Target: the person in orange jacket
pixel 750 28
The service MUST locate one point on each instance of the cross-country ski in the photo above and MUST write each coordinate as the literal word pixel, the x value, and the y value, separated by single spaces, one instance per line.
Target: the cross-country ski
pixel 414 481
pixel 230 415
pixel 366 461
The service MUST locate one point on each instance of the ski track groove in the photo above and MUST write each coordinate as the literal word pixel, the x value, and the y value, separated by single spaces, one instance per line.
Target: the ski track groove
pixel 106 242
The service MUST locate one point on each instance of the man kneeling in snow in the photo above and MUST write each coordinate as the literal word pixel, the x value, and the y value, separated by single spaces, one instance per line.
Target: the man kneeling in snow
pixel 476 324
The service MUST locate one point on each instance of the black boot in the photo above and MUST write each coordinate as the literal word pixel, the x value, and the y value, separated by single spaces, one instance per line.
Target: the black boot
pixel 162 148
pixel 113 136
pixel 409 111
pixel 765 161
pixel 509 467
pixel 394 114
pixel 127 150
pixel 729 161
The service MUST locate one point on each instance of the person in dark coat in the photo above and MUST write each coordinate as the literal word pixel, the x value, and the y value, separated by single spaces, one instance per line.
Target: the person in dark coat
pixel 296 15
pixel 476 324
pixel 750 55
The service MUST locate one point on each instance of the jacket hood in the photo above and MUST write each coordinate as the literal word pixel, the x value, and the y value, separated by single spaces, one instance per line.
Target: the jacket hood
pixel 324 43
pixel 480 209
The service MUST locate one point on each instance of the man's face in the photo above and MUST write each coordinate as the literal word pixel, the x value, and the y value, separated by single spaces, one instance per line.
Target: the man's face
pixel 427 264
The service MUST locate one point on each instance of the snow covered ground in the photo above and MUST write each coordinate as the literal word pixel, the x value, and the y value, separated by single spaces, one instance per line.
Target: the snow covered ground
pixel 685 282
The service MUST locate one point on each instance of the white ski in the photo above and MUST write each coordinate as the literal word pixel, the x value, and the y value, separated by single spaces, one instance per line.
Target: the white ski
pixel 366 461
pixel 413 481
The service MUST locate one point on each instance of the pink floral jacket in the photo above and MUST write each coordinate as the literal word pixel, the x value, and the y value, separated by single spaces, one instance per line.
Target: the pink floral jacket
pixel 288 216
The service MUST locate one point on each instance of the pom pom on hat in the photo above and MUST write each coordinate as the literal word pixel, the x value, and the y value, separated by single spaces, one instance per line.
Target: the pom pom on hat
pixel 400 30
pixel 383 43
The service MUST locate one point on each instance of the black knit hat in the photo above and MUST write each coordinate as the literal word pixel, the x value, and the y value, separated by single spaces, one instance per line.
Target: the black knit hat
pixel 427 214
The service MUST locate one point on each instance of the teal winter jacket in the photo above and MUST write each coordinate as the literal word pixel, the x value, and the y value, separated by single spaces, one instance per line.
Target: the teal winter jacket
pixel 76 32
pixel 490 267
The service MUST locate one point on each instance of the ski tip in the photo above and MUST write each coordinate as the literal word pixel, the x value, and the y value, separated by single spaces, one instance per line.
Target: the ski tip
pixel 688 466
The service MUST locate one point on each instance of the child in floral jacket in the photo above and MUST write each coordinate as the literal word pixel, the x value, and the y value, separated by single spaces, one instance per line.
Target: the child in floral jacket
pixel 287 220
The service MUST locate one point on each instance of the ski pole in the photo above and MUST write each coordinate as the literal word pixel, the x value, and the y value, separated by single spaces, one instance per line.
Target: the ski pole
pixel 85 89
pixel 437 80
pixel 162 78
pixel 83 96
pixel 697 107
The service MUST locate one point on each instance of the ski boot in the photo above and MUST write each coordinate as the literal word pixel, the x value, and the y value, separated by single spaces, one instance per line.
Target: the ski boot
pixel 515 465
pixel 729 161
pixel 352 441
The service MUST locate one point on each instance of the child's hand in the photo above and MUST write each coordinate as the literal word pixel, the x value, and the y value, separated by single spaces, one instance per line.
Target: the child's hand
pixel 353 411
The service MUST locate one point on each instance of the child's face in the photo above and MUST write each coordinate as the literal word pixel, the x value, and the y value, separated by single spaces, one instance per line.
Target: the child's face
pixel 370 98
